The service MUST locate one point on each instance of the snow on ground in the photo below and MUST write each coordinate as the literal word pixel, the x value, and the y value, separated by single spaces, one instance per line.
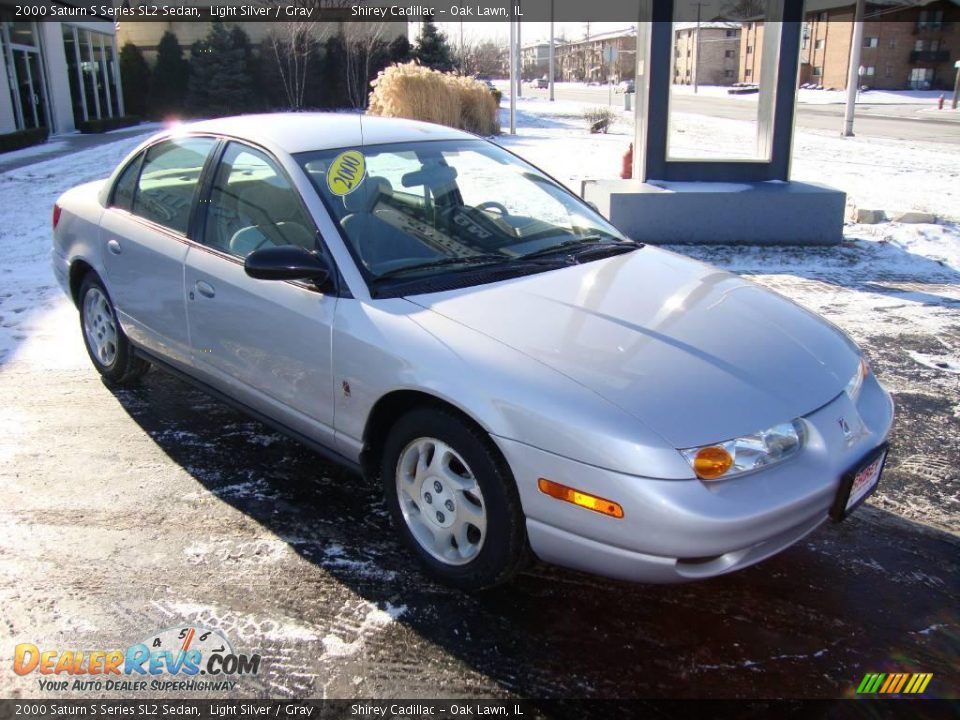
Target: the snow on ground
pixel 895 288
pixel 31 303
pixel 809 96
pixel 891 175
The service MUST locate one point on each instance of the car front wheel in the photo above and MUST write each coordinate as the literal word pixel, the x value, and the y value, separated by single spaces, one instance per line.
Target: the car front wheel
pixel 453 499
pixel 108 348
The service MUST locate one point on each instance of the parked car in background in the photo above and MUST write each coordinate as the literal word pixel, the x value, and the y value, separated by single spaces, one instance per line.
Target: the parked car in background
pixel 434 312
pixel 543 83
pixel 627 86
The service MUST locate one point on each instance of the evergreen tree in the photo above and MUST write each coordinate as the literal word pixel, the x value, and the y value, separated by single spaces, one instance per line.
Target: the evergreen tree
pixel 221 81
pixel 433 50
pixel 400 50
pixel 135 79
pixel 168 85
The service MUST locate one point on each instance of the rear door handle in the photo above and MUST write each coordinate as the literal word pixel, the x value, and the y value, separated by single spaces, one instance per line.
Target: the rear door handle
pixel 114 247
pixel 205 289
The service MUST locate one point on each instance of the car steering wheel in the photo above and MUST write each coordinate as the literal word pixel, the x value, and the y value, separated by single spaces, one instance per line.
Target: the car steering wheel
pixel 494 205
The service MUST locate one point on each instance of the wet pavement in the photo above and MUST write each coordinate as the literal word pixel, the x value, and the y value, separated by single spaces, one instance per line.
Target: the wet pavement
pixel 132 511
pixel 126 512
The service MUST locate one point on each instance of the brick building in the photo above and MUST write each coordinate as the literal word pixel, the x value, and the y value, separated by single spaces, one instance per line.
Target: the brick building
pixel 708 53
pixel 903 49
pixel 604 57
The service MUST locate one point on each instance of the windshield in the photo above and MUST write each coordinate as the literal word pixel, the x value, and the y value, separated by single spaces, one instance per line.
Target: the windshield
pixel 422 208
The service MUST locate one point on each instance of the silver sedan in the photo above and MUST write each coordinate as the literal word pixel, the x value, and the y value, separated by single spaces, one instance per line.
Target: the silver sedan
pixel 431 310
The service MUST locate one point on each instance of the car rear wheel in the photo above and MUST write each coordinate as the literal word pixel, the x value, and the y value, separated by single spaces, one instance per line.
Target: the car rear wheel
pixel 453 499
pixel 108 348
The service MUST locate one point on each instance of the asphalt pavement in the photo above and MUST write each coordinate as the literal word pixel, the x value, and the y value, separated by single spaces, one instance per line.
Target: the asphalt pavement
pixel 129 511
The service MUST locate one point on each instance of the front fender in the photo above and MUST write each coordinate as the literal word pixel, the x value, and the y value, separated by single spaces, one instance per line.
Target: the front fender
pixel 389 345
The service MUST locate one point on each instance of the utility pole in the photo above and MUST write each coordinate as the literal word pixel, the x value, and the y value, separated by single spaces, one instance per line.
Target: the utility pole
pixel 956 86
pixel 552 51
pixel 513 77
pixel 853 72
pixel 519 56
pixel 696 53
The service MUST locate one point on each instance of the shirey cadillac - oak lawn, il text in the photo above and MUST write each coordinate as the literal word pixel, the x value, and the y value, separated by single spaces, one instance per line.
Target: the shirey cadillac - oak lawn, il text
pixel 428 308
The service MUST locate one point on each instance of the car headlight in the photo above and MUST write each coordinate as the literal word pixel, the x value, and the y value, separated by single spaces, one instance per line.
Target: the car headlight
pixel 745 454
pixel 855 385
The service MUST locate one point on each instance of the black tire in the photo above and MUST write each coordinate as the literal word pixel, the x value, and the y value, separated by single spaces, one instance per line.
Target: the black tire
pixel 504 548
pixel 125 367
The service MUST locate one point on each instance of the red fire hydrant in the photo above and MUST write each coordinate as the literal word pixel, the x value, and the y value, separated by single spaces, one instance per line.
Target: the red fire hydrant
pixel 626 171
pixel 940 102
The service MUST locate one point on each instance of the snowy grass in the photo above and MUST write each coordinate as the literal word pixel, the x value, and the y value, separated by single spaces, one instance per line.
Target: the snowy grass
pixel 891 175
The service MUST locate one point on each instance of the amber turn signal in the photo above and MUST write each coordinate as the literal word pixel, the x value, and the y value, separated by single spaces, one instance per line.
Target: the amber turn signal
pixel 712 462
pixel 590 502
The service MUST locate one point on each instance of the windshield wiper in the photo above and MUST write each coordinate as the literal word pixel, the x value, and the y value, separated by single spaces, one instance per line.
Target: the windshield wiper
pixel 483 258
pixel 590 242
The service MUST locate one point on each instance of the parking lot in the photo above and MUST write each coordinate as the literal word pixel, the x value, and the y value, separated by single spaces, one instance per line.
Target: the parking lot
pixel 131 511
pixel 128 512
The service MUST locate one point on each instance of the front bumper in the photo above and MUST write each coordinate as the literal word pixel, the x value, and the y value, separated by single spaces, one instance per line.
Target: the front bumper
pixel 679 530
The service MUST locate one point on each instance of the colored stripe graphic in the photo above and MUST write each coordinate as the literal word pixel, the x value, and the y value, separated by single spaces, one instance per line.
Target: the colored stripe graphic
pixel 894 683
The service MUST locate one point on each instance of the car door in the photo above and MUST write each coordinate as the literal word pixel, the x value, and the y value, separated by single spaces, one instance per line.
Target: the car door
pixel 266 343
pixel 144 243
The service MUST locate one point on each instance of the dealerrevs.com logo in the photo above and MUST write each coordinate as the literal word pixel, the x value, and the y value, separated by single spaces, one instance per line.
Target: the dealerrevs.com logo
pixel 181 659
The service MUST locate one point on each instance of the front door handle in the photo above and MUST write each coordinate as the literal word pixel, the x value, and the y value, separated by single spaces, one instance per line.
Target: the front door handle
pixel 205 289
pixel 114 247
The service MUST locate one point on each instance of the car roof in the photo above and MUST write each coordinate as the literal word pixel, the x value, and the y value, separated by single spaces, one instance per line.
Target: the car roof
pixel 307 131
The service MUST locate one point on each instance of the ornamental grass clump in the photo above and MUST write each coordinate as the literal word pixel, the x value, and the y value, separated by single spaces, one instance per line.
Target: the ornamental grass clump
pixel 419 93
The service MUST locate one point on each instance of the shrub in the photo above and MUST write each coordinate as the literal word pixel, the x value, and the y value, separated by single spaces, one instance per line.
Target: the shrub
pixel 419 93
pixel 600 118
pixel 103 125
pixel 168 81
pixel 23 138
pixel 135 78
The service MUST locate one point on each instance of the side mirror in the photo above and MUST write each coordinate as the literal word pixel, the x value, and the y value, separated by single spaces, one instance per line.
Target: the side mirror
pixel 287 262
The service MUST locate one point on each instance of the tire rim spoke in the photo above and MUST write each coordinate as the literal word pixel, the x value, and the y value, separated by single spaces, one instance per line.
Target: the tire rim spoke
pixel 441 501
pixel 100 329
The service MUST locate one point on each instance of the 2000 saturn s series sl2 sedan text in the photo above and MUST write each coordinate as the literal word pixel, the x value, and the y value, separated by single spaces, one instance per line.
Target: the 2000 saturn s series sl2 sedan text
pixel 430 309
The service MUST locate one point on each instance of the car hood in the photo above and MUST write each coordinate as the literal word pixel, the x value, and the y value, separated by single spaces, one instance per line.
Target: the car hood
pixel 696 354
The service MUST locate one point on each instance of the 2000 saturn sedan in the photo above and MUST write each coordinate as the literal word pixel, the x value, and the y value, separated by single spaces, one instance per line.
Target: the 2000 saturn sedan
pixel 434 311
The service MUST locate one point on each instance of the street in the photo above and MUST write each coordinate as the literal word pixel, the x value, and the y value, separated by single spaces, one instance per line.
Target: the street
pixel 897 122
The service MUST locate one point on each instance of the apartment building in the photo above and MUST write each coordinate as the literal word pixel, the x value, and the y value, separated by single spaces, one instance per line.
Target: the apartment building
pixel 602 57
pixel 706 53
pixel 903 49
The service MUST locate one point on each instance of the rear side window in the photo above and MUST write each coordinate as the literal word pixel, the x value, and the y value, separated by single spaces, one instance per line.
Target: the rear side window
pixel 126 185
pixel 169 180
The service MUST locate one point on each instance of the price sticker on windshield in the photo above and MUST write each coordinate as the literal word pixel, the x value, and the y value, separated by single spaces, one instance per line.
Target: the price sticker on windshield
pixel 346 173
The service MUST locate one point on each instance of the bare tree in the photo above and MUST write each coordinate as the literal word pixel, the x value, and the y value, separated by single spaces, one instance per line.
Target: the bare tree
pixel 360 54
pixel 486 57
pixel 294 46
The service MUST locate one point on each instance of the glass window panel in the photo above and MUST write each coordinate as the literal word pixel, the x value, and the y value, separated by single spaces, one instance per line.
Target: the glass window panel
pixel 169 180
pixel 724 81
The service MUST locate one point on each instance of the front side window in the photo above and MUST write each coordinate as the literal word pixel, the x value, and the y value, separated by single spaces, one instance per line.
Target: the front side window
pixel 422 206
pixel 253 205
pixel 169 179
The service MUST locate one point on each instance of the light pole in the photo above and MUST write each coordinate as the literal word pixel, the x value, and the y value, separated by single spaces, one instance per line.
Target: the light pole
pixel 853 71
